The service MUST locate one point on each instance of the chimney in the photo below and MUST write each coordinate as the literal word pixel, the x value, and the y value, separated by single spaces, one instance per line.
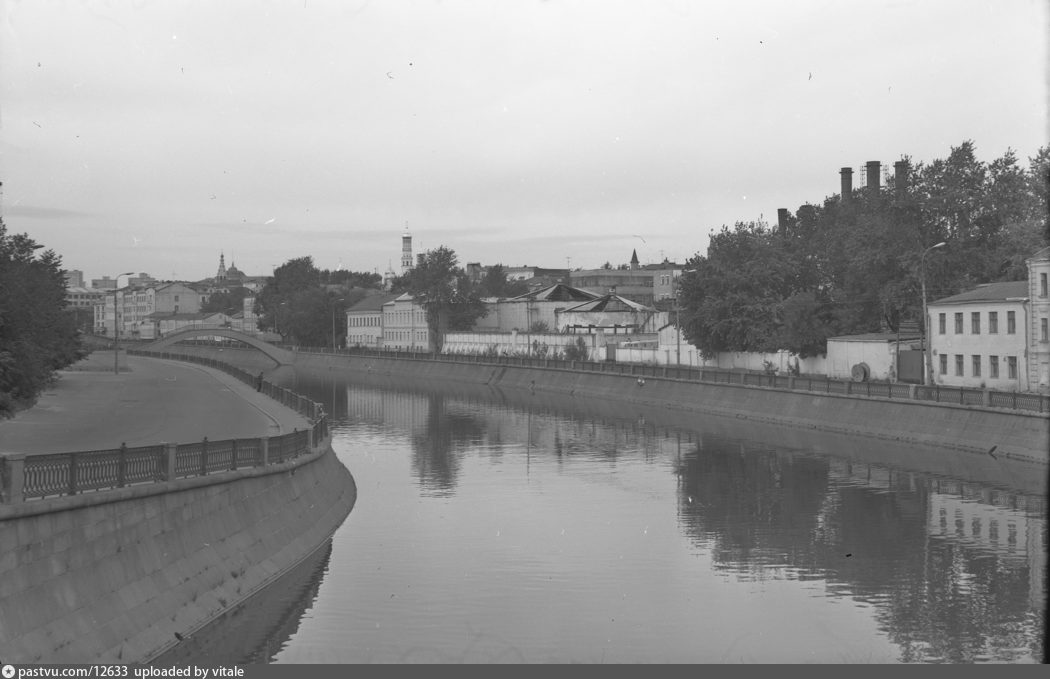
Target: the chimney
pixel 900 175
pixel 782 220
pixel 874 175
pixel 847 182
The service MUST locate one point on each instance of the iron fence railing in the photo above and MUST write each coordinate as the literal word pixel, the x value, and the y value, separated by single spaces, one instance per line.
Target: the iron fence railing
pixel 1039 403
pixel 28 477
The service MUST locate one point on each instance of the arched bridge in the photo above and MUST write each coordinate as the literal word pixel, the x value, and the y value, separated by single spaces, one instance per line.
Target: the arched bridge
pixel 281 356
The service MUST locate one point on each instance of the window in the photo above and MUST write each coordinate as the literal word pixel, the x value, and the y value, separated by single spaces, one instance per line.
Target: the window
pixel 958 365
pixel 1044 336
pixel 993 367
pixel 944 364
pixel 1042 285
pixel 975 322
pixel 958 323
pixel 976 365
pixel 1011 323
pixel 942 322
pixel 993 322
pixel 1011 367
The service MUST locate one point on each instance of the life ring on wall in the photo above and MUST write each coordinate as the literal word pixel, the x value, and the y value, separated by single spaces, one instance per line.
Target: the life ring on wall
pixel 860 372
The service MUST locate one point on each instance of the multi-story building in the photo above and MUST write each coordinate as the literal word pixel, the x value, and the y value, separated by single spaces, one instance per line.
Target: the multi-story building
pixel 1039 319
pixel 364 321
pixel 138 308
pixel 980 338
pixel 644 284
pixel 74 278
pixel 405 325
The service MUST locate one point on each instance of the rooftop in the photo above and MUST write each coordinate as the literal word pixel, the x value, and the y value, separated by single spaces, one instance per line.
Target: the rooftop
pixel 989 292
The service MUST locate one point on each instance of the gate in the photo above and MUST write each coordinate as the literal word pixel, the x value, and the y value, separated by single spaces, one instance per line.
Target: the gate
pixel 909 367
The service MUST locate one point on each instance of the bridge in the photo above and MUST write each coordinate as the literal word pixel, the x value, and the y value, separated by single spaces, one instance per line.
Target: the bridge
pixel 279 355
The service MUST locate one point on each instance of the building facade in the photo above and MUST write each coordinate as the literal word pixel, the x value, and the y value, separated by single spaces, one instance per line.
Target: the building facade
pixel 980 338
pixel 364 321
pixel 1039 319
pixel 405 325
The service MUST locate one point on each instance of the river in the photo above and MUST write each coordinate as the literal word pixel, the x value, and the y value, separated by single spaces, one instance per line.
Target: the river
pixel 496 528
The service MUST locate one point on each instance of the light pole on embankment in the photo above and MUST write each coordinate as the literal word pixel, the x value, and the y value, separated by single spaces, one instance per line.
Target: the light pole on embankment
pixel 927 356
pixel 116 326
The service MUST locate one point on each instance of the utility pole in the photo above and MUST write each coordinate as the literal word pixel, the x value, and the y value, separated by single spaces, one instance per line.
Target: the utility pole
pixel 927 355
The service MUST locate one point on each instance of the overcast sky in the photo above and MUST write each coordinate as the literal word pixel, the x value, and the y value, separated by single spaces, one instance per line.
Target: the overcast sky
pixel 153 135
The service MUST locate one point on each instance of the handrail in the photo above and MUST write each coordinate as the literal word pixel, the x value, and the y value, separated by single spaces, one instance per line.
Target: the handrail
pixel 32 477
pixel 990 398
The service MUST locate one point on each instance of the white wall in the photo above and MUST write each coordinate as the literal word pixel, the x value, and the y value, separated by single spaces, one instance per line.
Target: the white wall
pixel 881 357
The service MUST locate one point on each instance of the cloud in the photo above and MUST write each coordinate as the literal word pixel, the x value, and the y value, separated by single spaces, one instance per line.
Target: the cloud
pixel 35 212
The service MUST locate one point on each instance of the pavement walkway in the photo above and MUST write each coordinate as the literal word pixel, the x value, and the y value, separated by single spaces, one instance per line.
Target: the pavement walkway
pixel 150 401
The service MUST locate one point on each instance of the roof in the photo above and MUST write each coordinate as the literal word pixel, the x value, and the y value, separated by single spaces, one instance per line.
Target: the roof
pixel 989 292
pixel 372 303
pixel 198 316
pixel 1042 254
pixel 558 292
pixel 877 337
pixel 609 303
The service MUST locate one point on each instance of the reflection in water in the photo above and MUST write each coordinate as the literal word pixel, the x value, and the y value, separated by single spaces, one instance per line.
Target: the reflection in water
pixel 545 527
pixel 255 631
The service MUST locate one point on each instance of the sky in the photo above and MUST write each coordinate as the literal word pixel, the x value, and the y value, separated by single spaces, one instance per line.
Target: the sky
pixel 153 136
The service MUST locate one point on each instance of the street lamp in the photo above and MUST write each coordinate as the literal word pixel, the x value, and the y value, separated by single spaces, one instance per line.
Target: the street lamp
pixel 336 302
pixel 116 330
pixel 927 355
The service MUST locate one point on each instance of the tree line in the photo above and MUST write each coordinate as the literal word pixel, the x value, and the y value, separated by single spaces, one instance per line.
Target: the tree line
pixel 38 334
pixel 854 263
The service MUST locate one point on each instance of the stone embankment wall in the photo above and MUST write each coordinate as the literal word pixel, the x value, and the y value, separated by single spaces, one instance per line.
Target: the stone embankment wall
pixel 126 574
pixel 1012 434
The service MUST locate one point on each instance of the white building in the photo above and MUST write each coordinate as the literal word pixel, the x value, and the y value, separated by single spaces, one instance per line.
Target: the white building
pixel 980 338
pixel 868 356
pixel 364 321
pixel 405 325
pixel 1039 318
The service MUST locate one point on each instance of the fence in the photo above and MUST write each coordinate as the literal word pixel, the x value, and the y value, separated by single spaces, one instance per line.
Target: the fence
pixel 1039 403
pixel 29 477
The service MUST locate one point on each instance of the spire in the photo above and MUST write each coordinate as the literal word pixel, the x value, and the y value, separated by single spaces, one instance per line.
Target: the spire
pixel 221 274
pixel 634 259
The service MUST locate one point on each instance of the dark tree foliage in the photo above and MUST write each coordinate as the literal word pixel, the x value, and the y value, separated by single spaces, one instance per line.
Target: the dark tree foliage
pixel 351 279
pixel 226 302
pixel 854 264
pixel 495 284
pixel 37 334
pixel 444 291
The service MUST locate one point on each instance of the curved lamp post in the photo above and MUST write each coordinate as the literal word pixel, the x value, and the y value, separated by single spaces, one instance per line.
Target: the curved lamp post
pixel 116 327
pixel 926 316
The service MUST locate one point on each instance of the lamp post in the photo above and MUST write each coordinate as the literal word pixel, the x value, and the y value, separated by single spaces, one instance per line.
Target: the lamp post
pixel 927 355
pixel 116 327
pixel 334 304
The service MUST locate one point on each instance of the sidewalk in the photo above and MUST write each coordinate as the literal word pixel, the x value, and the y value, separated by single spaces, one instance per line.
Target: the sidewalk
pixel 151 401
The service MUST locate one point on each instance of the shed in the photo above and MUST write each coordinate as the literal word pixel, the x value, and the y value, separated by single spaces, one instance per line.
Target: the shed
pixel 869 356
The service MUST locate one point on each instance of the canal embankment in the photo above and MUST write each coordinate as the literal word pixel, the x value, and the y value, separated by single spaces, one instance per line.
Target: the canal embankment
pixel 121 575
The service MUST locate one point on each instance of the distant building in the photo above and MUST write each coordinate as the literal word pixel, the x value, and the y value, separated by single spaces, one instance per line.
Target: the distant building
pixel 405 325
pixel 532 309
pixel 979 338
pixel 74 278
pixel 1038 332
pixel 364 321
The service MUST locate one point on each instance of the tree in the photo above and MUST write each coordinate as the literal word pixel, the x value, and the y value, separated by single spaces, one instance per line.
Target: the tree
pixel 37 335
pixel 445 292
pixel 277 301
pixel 495 284
pixel 226 302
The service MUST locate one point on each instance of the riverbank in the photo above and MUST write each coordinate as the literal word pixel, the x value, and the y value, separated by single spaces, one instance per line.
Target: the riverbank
pixel 123 575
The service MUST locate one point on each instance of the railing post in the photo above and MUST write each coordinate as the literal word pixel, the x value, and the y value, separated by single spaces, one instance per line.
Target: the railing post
pixel 122 462
pixel 913 391
pixel 72 490
pixel 204 457
pixel 14 478
pixel 986 397
pixel 264 451
pixel 791 382
pixel 169 460
pixel 233 455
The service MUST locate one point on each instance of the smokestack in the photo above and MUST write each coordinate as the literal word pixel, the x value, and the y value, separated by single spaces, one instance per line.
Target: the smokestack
pixel 847 182
pixel 782 220
pixel 874 175
pixel 900 175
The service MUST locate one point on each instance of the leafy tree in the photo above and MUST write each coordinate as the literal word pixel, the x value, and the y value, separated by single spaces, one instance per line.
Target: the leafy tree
pixel 495 284
pixel 444 291
pixel 276 302
pixel 226 302
pixel 37 335
pixel 351 279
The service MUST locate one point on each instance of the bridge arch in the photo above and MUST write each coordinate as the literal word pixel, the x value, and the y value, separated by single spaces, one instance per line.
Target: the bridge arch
pixel 280 356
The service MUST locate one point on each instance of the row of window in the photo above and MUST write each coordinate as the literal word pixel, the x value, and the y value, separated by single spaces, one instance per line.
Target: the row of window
pixel 975 323
pixel 365 321
pixel 404 335
pixel 976 364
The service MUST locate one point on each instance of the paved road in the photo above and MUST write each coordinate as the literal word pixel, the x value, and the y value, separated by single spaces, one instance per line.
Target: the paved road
pixel 152 401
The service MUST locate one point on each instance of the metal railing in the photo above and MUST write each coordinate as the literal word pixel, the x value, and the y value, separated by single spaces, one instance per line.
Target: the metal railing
pixel 1039 403
pixel 30 477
